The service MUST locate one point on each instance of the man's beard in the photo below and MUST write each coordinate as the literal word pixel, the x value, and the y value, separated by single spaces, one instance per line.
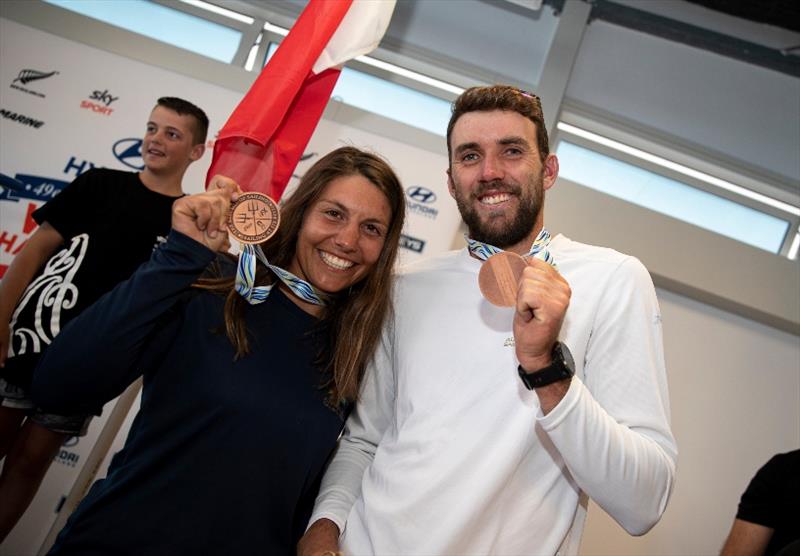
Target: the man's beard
pixel 520 225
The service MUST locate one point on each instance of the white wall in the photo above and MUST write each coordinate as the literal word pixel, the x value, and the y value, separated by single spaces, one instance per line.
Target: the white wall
pixel 734 383
pixel 735 395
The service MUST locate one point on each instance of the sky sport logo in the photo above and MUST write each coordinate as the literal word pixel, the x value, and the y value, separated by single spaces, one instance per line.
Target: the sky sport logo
pixel 417 199
pixel 26 76
pixel 99 102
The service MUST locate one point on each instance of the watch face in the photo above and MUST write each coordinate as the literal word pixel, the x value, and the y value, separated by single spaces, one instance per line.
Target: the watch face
pixel 566 355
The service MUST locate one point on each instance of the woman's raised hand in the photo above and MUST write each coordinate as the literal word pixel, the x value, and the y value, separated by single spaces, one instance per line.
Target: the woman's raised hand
pixel 203 216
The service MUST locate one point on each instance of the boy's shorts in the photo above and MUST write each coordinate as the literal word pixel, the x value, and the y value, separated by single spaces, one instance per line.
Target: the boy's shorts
pixel 15 397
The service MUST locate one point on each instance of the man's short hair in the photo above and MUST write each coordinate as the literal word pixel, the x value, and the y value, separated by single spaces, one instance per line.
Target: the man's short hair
pixel 184 107
pixel 501 97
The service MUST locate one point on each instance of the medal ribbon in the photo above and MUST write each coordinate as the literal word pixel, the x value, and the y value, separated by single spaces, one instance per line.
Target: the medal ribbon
pixel 246 276
pixel 539 248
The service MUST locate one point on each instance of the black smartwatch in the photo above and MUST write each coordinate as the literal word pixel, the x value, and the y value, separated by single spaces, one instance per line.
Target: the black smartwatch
pixel 561 368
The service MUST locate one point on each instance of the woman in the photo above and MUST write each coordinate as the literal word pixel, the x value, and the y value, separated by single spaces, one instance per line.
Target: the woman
pixel 242 403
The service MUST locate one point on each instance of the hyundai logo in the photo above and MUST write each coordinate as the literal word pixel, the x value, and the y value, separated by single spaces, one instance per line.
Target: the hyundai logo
pixel 421 194
pixel 70 442
pixel 129 152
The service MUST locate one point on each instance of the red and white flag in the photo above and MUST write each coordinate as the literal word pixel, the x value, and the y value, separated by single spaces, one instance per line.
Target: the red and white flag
pixel 264 138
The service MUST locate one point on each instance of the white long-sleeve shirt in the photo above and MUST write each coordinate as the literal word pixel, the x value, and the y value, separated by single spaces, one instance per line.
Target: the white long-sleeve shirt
pixel 448 453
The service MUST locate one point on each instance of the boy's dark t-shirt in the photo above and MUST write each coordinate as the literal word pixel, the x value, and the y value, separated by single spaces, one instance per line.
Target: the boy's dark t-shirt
pixel 110 223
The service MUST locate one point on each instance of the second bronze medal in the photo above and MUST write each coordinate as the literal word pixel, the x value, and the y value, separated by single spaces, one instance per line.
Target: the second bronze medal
pixel 499 277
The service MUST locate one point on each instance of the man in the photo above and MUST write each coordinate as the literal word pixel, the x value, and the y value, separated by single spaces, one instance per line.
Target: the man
pixel 472 436
pixel 93 235
pixel 767 521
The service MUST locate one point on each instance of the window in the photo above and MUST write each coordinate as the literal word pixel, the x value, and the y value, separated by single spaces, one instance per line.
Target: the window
pixel 391 100
pixel 388 99
pixel 168 25
pixel 671 197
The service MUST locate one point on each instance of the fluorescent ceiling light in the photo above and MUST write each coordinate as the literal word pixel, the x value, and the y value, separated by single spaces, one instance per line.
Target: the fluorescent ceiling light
pixel 411 75
pixel 534 5
pixel 217 10
pixel 680 168
pixel 386 66
pixel 792 254
pixel 275 29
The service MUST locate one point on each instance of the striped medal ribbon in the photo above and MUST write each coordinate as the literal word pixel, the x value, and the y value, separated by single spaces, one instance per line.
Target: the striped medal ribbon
pixel 539 250
pixel 246 275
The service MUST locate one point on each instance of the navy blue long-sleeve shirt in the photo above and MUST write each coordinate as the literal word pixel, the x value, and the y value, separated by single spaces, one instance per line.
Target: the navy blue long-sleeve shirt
pixel 224 456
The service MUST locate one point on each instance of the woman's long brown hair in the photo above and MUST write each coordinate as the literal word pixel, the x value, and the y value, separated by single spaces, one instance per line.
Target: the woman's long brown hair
pixel 353 320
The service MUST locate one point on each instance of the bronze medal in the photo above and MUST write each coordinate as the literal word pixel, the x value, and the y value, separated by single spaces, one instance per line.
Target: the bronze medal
pixel 253 218
pixel 499 277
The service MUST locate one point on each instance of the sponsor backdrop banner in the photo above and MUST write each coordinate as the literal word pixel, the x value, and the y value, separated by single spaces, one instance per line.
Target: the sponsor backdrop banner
pixel 66 107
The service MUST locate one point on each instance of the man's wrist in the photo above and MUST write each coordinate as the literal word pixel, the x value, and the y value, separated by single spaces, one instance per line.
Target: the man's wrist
pixel 556 367
pixel 531 366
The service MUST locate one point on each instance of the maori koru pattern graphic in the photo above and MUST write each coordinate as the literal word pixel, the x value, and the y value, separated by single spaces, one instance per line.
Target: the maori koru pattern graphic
pixel 51 293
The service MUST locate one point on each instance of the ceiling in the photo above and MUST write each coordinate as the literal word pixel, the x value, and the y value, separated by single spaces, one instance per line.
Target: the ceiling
pixel 464 42
pixel 761 32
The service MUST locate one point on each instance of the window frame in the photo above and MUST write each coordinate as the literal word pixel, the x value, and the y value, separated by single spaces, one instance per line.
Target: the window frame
pixel 249 31
pixel 691 156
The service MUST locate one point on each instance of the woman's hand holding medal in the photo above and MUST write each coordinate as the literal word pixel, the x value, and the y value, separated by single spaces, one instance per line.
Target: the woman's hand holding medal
pixel 203 216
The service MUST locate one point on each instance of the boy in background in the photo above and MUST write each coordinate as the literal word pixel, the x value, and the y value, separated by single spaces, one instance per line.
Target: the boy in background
pixel 91 236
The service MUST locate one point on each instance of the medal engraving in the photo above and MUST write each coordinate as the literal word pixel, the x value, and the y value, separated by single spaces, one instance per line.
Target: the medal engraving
pixel 499 277
pixel 254 218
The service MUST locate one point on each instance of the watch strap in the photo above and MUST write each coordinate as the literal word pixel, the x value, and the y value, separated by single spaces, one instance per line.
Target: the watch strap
pixel 559 369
